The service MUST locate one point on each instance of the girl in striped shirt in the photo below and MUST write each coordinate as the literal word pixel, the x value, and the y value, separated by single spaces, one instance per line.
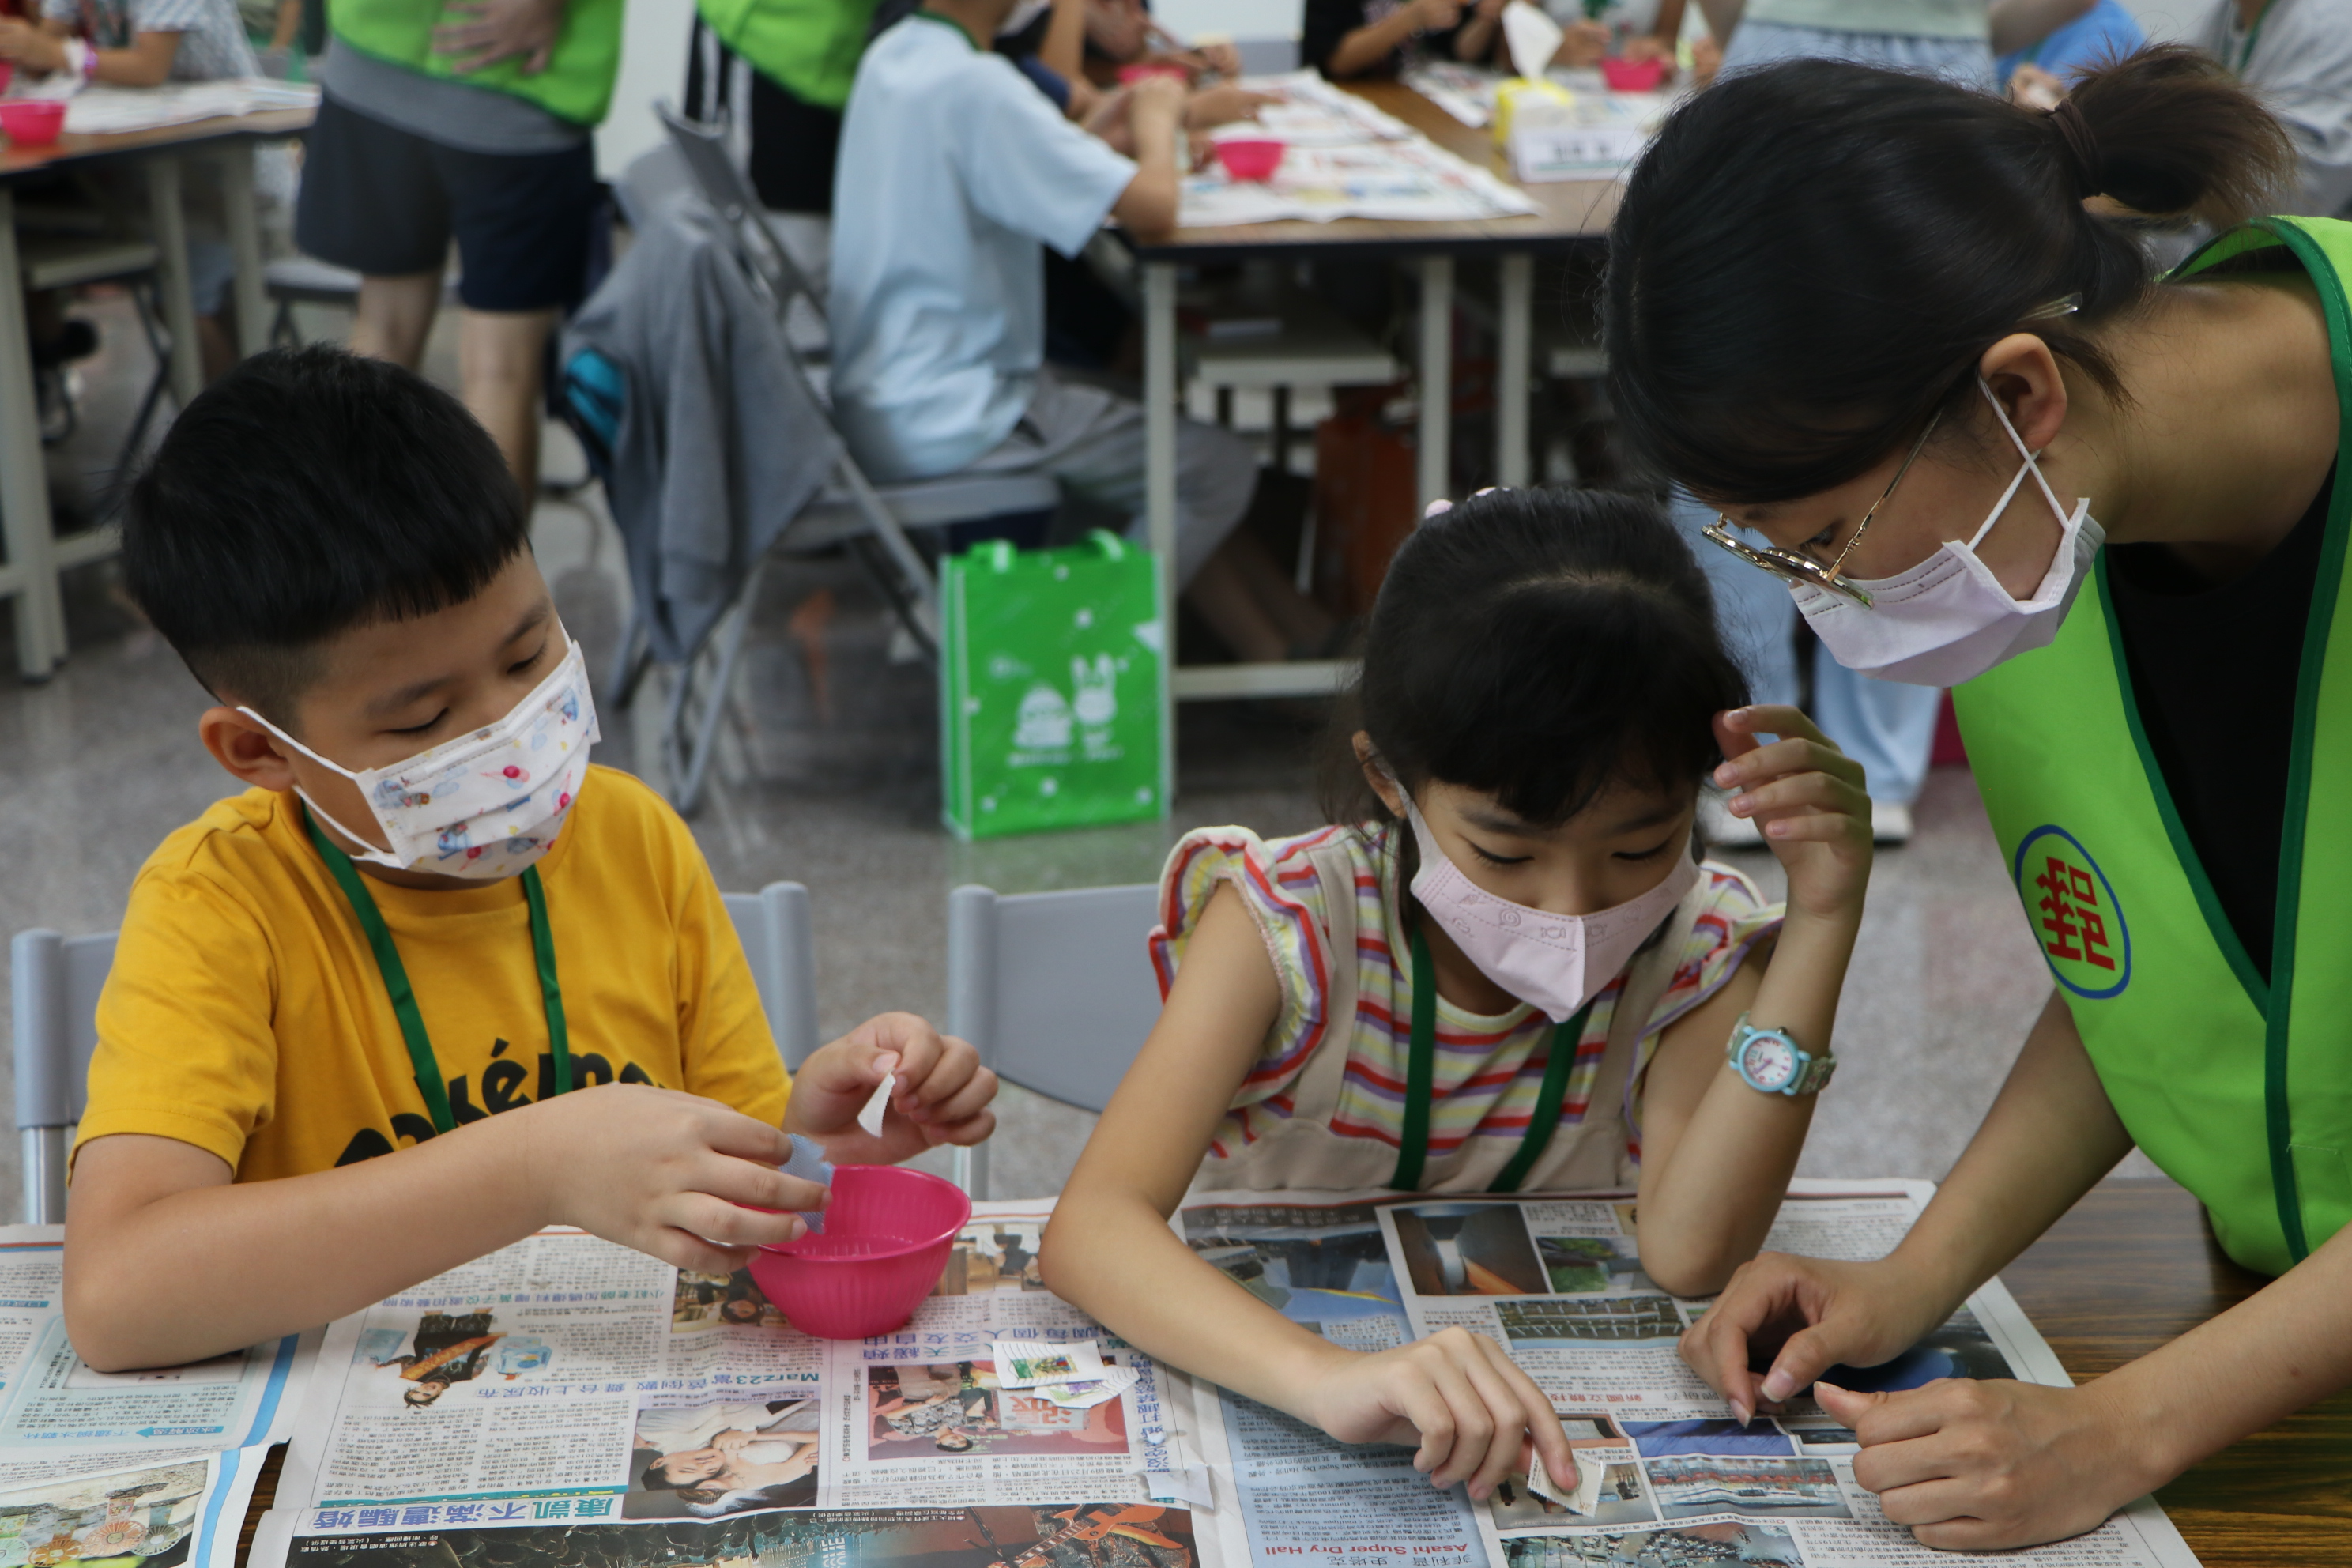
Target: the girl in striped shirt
pixel 1508 969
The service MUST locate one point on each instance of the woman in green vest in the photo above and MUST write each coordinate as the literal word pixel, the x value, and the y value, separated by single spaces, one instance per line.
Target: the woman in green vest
pixel 1902 336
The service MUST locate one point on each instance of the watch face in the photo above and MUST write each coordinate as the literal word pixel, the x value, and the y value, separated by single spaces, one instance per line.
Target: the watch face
pixel 1770 1061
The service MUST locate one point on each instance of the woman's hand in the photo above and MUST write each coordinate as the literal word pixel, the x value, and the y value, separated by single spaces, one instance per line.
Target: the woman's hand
pixel 1980 1466
pixel 1809 799
pixel 1464 1404
pixel 942 1096
pixel 1809 1314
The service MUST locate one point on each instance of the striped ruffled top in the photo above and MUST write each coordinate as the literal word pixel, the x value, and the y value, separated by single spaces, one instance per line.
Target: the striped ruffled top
pixel 1488 1069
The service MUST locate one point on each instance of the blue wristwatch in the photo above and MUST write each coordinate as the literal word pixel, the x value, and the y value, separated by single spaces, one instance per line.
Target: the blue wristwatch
pixel 1772 1062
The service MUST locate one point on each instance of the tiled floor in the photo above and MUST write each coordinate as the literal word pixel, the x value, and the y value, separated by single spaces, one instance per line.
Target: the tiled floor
pixel 833 784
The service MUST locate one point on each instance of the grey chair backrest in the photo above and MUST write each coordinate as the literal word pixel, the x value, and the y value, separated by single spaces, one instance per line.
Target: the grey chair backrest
pixel 703 147
pixel 777 938
pixel 1056 990
pixel 56 979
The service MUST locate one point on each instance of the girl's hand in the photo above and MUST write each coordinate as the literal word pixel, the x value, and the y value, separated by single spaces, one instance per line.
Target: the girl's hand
pixel 1469 1409
pixel 1809 799
pixel 1809 1314
pixel 1980 1466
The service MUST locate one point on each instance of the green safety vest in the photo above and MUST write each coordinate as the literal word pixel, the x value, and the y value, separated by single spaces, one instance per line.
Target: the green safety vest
pixel 2238 1088
pixel 809 48
pixel 577 84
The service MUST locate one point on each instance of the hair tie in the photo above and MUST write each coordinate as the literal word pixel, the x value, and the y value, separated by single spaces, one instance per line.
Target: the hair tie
pixel 2081 147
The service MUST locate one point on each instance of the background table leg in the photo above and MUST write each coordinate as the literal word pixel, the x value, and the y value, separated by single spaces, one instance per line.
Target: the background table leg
pixel 1513 369
pixel 170 224
pixel 23 483
pixel 244 245
pixel 1436 377
pixel 1159 489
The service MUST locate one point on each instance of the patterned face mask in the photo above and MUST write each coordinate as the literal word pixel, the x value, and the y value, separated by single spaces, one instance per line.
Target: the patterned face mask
pixel 488 804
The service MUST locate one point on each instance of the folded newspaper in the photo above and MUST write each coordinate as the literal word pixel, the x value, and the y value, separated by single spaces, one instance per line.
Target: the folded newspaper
pixel 156 1465
pixel 571 1402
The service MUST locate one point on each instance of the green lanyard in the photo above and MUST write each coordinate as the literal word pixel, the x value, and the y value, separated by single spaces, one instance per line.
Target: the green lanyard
pixel 404 996
pixel 2253 35
pixel 1421 1073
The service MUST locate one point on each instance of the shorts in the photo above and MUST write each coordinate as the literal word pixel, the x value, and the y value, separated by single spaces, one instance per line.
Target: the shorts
pixel 385 204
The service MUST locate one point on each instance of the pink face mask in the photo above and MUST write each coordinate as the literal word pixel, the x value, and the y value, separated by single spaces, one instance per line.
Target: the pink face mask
pixel 1556 962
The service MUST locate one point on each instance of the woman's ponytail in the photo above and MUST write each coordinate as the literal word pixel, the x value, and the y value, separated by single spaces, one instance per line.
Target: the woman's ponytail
pixel 1811 256
pixel 2177 135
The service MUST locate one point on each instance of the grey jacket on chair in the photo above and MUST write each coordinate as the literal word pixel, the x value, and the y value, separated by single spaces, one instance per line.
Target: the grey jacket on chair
pixel 720 442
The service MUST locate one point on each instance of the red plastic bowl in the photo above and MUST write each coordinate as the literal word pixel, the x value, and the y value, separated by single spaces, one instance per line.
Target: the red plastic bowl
pixel 1632 76
pixel 886 1236
pixel 1129 75
pixel 33 122
pixel 1250 158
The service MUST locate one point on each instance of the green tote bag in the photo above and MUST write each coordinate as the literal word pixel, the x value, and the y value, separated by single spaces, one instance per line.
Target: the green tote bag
pixel 1052 698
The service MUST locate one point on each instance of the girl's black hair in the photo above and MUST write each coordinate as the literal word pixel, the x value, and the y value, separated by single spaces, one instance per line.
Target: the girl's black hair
pixel 1541 646
pixel 1811 256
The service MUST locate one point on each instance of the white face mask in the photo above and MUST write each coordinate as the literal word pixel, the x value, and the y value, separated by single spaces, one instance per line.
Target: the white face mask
pixel 1947 620
pixel 488 804
pixel 1556 962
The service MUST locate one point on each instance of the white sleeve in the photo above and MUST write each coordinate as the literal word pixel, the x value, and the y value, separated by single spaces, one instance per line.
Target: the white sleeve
pixel 1028 168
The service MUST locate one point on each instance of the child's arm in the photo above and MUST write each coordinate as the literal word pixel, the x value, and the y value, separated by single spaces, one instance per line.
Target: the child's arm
pixel 1717 1153
pixel 48 48
pixel 663 1172
pixel 1365 47
pixel 1146 208
pixel 1108 1249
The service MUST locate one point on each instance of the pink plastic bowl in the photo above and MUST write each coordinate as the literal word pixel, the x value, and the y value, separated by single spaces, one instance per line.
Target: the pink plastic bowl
pixel 1248 158
pixel 886 1239
pixel 33 122
pixel 1632 76
pixel 1129 75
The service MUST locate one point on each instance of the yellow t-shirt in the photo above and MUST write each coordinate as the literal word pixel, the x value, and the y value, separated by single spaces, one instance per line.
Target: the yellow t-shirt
pixel 244 1013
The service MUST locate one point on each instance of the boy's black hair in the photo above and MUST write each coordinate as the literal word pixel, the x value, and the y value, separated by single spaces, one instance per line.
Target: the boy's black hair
pixel 307 492
pixel 1540 646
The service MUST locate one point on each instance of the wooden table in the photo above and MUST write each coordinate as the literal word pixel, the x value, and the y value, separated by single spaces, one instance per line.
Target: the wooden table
pixel 2134 1266
pixel 1572 212
pixel 34 555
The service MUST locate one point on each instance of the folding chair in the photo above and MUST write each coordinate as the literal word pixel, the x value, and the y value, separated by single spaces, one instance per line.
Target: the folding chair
pixel 57 979
pixel 1056 990
pixel 58 261
pixel 852 511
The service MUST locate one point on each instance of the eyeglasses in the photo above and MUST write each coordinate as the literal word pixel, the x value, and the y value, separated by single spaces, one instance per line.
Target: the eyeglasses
pixel 1790 566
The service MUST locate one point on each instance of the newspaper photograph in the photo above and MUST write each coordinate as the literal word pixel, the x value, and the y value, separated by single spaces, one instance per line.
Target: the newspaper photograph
pixel 184 1512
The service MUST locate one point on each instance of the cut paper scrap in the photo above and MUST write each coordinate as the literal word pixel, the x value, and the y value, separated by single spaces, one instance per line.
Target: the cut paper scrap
pixel 1026 1363
pixel 1533 36
pixel 870 1118
pixel 1114 1381
pixel 1591 1470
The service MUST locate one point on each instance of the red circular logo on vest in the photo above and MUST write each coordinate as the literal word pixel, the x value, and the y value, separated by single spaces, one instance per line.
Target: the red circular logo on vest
pixel 2075 914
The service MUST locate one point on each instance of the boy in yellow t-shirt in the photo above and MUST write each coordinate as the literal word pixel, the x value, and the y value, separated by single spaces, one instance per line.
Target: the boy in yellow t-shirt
pixel 433 981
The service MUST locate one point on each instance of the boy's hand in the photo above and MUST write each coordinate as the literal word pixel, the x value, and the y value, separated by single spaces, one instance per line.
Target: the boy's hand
pixel 672 1174
pixel 942 1096
pixel 1466 1404
pixel 1155 101
pixel 1809 799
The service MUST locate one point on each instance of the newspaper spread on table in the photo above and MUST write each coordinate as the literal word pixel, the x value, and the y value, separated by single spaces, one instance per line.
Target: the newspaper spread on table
pixel 97 109
pixel 1343 158
pixel 154 1465
pixel 569 1402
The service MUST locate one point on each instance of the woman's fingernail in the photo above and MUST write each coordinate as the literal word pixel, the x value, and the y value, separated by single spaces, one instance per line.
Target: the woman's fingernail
pixel 1739 1408
pixel 1741 804
pixel 1779 1386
